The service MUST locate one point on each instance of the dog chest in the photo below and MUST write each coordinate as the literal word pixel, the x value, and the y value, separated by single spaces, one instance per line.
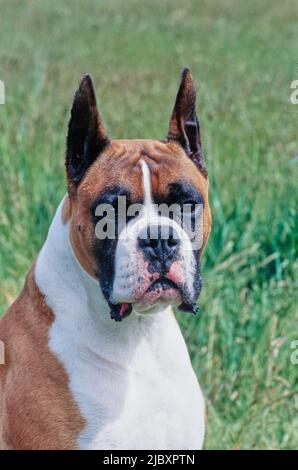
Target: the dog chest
pixel 154 402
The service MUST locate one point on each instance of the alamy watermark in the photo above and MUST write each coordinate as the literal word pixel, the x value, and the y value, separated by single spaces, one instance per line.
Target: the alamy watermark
pixel 161 221
pixel 2 92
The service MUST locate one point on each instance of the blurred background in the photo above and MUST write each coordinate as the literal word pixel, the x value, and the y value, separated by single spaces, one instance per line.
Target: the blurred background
pixel 243 56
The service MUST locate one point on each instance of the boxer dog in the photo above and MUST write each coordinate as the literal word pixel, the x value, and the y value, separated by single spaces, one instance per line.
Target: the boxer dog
pixel 94 358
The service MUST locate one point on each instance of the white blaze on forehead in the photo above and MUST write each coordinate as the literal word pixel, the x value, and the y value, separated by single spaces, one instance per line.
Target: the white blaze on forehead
pixel 148 201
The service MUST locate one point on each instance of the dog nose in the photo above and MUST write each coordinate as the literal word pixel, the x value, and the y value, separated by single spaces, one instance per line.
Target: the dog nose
pixel 159 242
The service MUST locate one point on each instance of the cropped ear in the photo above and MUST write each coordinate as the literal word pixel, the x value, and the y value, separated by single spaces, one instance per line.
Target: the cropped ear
pixel 184 125
pixel 86 134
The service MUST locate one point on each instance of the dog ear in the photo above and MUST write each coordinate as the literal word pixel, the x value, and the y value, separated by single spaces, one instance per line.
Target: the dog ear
pixel 184 125
pixel 86 134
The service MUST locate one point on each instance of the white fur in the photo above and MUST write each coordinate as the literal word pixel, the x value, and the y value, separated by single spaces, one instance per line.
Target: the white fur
pixel 148 202
pixel 132 380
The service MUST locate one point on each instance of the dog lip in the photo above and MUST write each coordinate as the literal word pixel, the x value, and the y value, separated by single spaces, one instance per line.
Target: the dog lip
pixel 163 283
pixel 161 290
pixel 120 311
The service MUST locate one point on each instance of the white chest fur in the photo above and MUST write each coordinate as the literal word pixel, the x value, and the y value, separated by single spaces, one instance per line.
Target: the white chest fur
pixel 132 380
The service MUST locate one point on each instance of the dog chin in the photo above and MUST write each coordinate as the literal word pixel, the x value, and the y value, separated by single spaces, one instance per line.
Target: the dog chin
pixel 149 302
pixel 155 300
pixel 149 309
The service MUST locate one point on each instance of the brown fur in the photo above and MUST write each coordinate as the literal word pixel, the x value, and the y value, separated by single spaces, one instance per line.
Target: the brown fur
pixel 37 410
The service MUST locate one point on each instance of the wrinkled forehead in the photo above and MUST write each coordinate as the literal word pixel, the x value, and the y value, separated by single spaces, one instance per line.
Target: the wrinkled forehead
pixel 119 166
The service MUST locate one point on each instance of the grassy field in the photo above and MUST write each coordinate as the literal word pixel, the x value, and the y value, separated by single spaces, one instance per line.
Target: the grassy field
pixel 243 56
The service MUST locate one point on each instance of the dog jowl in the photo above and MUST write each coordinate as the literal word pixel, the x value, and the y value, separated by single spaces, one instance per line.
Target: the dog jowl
pixel 157 261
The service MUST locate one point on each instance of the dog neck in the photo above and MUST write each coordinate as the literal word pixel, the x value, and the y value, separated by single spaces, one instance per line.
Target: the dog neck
pixel 79 306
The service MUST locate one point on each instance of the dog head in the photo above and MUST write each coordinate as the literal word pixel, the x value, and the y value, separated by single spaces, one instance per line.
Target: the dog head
pixel 134 205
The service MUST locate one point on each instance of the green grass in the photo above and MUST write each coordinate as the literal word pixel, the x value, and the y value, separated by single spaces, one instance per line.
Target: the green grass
pixel 243 56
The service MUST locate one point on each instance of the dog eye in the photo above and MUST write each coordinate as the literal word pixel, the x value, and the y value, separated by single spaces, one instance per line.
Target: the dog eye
pixel 113 202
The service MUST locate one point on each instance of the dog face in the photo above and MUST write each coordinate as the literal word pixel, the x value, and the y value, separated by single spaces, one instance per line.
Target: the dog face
pixel 133 206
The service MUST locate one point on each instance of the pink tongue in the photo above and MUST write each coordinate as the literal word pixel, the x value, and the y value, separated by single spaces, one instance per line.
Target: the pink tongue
pixel 123 309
